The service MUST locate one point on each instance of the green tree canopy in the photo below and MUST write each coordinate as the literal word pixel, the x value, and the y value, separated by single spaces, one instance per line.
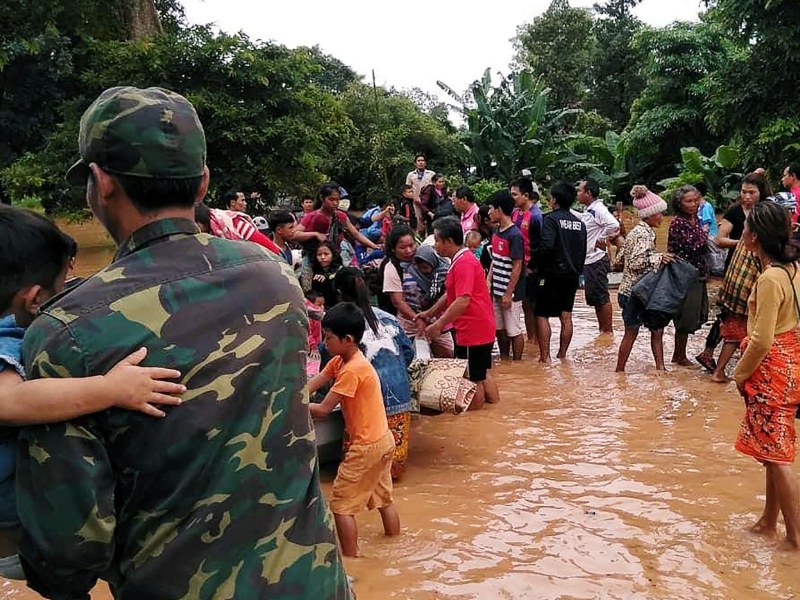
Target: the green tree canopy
pixel 386 130
pixel 616 80
pixel 277 120
pixel 669 114
pixel 558 46
pixel 752 96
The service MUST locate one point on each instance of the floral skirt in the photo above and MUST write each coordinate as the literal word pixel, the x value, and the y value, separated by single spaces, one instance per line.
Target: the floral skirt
pixel 771 396
pixel 733 328
pixel 400 426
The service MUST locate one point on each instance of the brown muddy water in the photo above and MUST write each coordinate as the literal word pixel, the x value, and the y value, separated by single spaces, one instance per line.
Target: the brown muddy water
pixel 581 483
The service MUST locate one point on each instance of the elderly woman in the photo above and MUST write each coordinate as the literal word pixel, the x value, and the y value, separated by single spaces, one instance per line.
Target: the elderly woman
pixel 640 257
pixel 687 240
pixel 768 375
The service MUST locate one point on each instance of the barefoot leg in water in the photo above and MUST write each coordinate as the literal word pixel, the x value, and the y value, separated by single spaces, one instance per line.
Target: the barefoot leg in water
pixel 565 339
pixel 767 525
pixel 625 347
pixel 679 354
pixel 786 490
pixel 728 350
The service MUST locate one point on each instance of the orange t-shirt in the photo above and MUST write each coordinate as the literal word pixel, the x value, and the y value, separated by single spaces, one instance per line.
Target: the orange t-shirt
pixel 362 402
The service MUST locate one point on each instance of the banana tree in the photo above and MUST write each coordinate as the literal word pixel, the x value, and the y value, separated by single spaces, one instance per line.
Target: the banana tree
pixel 717 172
pixel 509 127
pixel 604 159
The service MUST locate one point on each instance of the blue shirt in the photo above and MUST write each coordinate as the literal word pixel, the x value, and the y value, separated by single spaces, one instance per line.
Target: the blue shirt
pixel 11 345
pixel 706 215
pixel 390 352
pixel 10 358
pixel 367 222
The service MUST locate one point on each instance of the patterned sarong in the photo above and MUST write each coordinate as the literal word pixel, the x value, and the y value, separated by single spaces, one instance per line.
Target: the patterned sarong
pixel 400 426
pixel 740 278
pixel 733 328
pixel 772 394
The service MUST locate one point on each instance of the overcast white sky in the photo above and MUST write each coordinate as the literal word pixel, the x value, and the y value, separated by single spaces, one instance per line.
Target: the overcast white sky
pixel 408 44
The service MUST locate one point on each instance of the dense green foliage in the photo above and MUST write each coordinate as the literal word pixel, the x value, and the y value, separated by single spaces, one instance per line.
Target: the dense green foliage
pixel 277 120
pixel 616 77
pixel 669 114
pixel 510 127
pixel 558 46
pixel 591 92
pixel 752 96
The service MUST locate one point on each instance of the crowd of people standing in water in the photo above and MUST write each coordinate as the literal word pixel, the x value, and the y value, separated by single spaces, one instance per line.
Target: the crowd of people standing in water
pixel 525 266
pixel 184 489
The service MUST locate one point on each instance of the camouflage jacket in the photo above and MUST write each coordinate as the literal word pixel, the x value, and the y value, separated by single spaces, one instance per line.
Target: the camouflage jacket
pixel 221 498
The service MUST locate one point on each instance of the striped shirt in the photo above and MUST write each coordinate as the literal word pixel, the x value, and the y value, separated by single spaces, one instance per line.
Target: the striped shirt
pixel 507 246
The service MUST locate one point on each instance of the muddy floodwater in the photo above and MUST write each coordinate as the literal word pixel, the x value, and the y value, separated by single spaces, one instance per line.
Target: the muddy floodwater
pixel 581 483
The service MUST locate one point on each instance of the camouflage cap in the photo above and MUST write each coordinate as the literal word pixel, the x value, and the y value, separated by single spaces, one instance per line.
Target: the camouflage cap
pixel 151 132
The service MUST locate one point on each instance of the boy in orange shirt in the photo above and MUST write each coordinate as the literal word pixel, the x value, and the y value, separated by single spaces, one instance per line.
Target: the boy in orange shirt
pixel 364 479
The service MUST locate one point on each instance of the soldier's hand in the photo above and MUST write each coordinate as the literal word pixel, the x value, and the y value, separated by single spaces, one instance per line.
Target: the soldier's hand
pixel 139 388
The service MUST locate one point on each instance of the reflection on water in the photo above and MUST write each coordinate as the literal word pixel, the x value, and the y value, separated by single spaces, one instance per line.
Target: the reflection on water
pixel 581 483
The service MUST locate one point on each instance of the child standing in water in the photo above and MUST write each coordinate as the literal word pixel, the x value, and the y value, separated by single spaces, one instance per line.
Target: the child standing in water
pixel 325 263
pixel 364 478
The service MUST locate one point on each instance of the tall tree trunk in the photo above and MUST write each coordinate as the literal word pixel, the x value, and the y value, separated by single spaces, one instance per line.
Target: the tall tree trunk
pixel 139 18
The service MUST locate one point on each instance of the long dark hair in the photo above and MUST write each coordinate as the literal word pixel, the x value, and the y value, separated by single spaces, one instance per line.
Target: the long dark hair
pixel 764 189
pixel 335 263
pixel 325 190
pixel 773 227
pixel 352 287
pixel 398 233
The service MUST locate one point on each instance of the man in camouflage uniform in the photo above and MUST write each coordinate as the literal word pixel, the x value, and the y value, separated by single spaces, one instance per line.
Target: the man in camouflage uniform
pixel 221 498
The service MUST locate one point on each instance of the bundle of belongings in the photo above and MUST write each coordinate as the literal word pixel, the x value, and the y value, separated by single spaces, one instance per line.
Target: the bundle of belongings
pixel 659 296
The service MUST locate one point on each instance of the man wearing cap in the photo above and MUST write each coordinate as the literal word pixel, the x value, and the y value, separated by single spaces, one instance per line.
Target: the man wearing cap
pixel 221 498
pixel 600 227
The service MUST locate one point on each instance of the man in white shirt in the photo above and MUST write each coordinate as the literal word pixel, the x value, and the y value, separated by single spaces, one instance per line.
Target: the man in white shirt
pixel 418 179
pixel 601 226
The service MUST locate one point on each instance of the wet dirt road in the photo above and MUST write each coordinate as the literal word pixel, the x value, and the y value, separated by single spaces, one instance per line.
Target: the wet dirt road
pixel 581 483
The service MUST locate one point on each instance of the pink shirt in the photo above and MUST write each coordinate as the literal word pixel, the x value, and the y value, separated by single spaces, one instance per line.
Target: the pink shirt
pixel 468 218
pixel 466 278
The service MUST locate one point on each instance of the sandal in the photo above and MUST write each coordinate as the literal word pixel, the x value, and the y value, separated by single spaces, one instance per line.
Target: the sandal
pixel 706 362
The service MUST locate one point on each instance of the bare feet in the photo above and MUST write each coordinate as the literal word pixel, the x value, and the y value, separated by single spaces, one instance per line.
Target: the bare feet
pixel 683 362
pixel 788 546
pixel 720 378
pixel 765 530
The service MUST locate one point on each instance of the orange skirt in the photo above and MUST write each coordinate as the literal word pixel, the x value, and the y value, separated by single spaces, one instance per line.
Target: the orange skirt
pixel 771 396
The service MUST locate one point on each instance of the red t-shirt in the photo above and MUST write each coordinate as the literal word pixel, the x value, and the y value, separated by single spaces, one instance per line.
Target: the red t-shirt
pixel 796 194
pixel 466 278
pixel 319 222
